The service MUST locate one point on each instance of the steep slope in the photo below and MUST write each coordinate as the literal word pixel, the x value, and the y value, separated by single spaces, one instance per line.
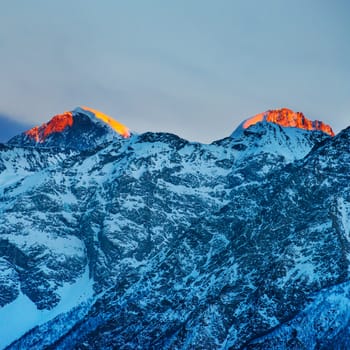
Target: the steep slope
pixel 185 245
pixel 18 162
pixel 324 322
pixel 111 209
pixel 253 265
pixel 83 128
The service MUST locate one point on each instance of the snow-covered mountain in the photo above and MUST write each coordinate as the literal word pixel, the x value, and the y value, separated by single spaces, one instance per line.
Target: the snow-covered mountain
pixel 118 240
pixel 269 137
pixel 80 129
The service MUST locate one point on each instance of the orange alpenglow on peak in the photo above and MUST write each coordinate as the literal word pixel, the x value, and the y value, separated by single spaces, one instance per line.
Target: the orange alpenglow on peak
pixel 57 124
pixel 61 121
pixel 287 118
pixel 115 125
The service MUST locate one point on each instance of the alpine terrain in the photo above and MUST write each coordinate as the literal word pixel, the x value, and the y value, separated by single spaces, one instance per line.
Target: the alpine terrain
pixel 116 240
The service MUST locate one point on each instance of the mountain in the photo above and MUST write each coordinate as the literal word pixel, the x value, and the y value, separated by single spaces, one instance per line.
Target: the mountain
pixel 151 241
pixel 80 129
pixel 287 118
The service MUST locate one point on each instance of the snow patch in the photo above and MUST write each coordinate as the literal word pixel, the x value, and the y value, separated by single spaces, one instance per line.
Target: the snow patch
pixel 21 315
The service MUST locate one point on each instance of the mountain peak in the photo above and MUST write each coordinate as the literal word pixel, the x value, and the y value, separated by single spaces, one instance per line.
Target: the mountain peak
pixel 287 118
pixel 60 122
pixel 82 128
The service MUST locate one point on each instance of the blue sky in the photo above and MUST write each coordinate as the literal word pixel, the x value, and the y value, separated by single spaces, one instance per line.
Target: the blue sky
pixel 194 68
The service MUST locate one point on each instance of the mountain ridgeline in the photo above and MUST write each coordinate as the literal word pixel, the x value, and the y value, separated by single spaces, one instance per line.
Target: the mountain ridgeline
pixel 111 239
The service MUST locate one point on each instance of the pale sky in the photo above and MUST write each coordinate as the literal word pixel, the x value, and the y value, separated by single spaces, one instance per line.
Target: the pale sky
pixel 194 68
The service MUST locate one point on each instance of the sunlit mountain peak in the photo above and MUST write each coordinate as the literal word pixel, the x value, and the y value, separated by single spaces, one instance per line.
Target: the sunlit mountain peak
pixel 61 122
pixel 287 118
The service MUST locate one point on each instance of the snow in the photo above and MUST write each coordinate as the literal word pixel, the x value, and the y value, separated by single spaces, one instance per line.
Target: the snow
pixel 21 315
pixel 344 210
pixel 345 217
pixel 68 245
pixel 291 143
pixel 303 267
pixel 325 316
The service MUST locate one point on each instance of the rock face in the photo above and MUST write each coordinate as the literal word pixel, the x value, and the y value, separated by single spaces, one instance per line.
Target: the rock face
pixel 56 125
pixel 152 241
pixel 287 118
